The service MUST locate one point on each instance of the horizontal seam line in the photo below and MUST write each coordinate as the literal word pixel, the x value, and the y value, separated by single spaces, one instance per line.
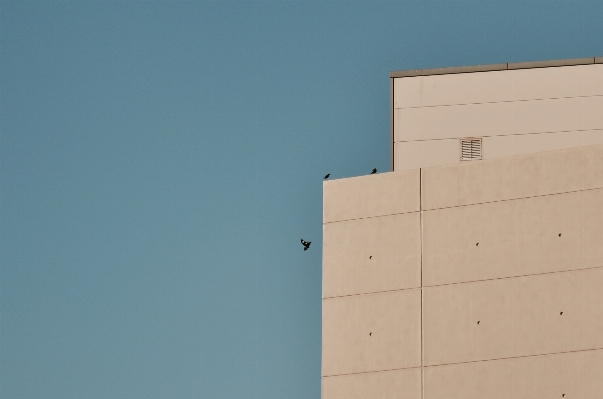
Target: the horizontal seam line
pixel 376 371
pixel 517 276
pixel 464 205
pixel 372 217
pixel 506 135
pixel 373 292
pixel 513 199
pixel 515 357
pixel 468 362
pixel 500 102
pixel 465 282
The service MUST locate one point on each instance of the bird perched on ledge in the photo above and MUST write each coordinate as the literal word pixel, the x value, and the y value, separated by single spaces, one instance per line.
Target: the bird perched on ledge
pixel 327 176
pixel 374 171
pixel 306 244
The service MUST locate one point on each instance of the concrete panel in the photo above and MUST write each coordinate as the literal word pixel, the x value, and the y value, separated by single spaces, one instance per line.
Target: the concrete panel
pixel 455 121
pixel 498 86
pixel 519 316
pixel 421 154
pixel 408 92
pixel 371 255
pixel 559 82
pixel 372 195
pixel 593 112
pixel 567 375
pixel 512 177
pixel 394 384
pixel 498 119
pixel 504 146
pixel 517 237
pixel 465 88
pixel 426 153
pixel 391 125
pixel 556 115
pixel 593 76
pixel 372 332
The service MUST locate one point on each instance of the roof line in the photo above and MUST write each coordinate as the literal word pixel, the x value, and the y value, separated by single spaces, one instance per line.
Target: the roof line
pixel 496 67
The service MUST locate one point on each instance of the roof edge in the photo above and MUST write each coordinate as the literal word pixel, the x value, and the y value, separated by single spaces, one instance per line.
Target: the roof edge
pixel 496 67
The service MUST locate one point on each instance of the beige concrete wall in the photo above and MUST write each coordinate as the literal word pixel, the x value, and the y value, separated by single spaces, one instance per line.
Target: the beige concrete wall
pixel 498 86
pixel 508 178
pixel 566 375
pixel 413 315
pixel 432 112
pixel 499 119
pixel 369 196
pixel 371 332
pixel 518 316
pixel 393 384
pixel 371 255
pixel 504 146
pixel 513 238
pixel 425 153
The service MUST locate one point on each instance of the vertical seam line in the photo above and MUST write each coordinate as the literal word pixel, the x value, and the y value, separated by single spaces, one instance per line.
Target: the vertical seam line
pixel 421 271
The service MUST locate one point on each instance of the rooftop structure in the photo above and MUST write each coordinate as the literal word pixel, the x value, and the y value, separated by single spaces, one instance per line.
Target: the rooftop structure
pixel 507 109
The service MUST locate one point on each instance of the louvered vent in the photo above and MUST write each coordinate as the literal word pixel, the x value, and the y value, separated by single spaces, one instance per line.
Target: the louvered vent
pixel 471 149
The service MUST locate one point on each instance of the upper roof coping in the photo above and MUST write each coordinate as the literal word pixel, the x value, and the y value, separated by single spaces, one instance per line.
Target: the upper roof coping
pixel 496 67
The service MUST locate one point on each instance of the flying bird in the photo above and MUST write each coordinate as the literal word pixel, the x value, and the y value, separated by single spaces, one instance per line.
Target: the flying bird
pixel 327 176
pixel 306 244
pixel 374 171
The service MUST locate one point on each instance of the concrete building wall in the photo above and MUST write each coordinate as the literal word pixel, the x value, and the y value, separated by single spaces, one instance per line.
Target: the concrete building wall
pixel 514 111
pixel 563 375
pixel 372 255
pixel 487 280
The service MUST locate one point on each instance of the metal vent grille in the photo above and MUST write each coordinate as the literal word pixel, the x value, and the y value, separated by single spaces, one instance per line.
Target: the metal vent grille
pixel 471 149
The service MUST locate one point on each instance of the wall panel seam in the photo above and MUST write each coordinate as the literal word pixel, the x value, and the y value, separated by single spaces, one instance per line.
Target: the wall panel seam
pixel 514 199
pixel 510 135
pixel 373 292
pixel 391 125
pixel 499 102
pixel 372 371
pixel 421 280
pixel 370 217
pixel 514 357
pixel 518 276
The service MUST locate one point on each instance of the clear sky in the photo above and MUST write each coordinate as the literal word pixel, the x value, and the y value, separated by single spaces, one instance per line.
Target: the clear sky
pixel 160 161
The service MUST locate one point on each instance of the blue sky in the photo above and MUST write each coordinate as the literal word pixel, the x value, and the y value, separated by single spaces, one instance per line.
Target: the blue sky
pixel 160 161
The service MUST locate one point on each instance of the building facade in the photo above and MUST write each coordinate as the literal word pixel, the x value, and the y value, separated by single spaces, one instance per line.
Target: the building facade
pixel 475 268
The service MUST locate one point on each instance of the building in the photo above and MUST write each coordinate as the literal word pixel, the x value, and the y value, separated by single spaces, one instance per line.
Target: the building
pixel 475 268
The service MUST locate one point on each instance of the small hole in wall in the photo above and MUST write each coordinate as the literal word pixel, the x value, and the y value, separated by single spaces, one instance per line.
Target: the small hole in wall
pixel 560 313
pixel 478 322
pixel 371 257
pixel 559 234
pixel 563 396
pixel 477 244
pixel 370 334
